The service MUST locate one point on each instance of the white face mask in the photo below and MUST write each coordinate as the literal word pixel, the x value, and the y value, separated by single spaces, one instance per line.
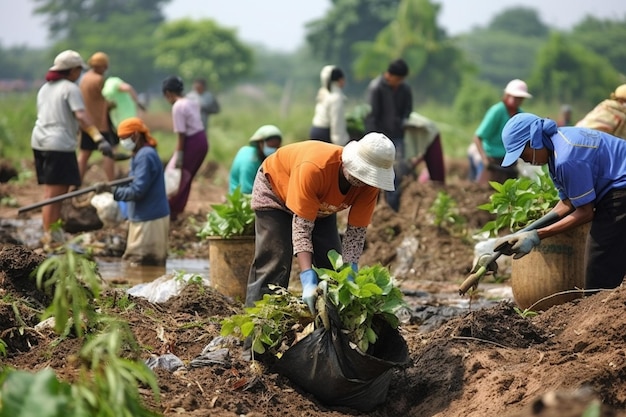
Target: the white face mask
pixel 127 144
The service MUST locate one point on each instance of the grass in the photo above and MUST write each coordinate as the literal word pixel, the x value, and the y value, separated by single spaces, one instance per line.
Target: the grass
pixel 243 111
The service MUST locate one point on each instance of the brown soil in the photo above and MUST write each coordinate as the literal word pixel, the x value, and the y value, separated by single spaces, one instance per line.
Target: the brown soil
pixel 487 362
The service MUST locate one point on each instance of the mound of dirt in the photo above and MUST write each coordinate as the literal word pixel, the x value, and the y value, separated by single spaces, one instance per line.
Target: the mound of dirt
pixel 491 361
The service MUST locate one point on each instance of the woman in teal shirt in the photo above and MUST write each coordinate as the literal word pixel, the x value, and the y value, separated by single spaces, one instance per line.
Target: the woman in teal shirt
pixel 262 144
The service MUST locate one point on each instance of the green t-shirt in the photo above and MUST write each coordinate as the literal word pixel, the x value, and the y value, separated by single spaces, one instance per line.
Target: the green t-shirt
pixel 490 130
pixel 124 103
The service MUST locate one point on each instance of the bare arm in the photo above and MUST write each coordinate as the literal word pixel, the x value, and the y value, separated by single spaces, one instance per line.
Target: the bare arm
pixel 180 145
pixel 127 88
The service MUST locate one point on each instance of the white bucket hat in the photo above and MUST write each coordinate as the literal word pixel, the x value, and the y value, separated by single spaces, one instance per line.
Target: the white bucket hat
pixel 517 88
pixel 371 160
pixel 67 60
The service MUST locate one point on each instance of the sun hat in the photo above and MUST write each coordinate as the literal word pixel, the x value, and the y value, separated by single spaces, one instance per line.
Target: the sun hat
pixel 132 125
pixel 265 132
pixel 525 128
pixel 371 160
pixel 517 88
pixel 620 92
pixel 99 59
pixel 68 59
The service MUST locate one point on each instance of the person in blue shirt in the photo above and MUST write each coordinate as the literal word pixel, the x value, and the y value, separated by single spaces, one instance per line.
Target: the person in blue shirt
pixel 262 144
pixel 588 167
pixel 147 206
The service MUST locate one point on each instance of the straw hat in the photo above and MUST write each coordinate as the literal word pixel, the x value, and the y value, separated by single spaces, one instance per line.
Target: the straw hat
pixel 371 160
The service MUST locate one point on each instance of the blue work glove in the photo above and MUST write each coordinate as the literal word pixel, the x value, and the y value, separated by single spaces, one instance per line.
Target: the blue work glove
pixel 355 268
pixel 308 278
pixel 519 244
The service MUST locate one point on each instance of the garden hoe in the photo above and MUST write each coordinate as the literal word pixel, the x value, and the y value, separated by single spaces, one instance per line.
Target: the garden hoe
pixel 71 194
pixel 487 261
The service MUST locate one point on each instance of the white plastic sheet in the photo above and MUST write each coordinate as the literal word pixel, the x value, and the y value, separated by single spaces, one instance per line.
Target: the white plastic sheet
pixel 163 288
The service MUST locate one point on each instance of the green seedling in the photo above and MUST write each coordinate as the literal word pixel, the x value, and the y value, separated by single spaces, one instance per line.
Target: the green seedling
pixel 517 202
pixel 362 297
pixel 234 218
pixel 526 313
pixel 446 214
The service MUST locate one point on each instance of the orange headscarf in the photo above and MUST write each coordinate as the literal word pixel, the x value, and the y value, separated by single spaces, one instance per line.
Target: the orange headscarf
pixel 134 124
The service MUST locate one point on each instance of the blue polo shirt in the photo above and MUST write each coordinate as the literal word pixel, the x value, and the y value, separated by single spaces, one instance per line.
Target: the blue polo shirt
pixel 146 193
pixel 587 164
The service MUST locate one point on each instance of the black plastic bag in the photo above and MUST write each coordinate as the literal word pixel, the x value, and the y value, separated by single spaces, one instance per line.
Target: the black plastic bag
pixel 324 364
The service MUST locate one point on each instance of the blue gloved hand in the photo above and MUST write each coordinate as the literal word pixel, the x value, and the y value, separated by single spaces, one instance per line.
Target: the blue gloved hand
pixel 309 279
pixel 519 244
pixel 355 268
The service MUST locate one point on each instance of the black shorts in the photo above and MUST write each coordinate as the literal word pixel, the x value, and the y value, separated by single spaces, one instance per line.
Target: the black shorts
pixel 56 168
pixel 87 144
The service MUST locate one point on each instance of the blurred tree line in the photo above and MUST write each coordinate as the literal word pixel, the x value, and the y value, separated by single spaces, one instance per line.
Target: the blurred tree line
pixel 579 66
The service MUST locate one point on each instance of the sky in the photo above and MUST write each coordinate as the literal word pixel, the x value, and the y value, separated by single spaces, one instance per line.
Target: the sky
pixel 280 24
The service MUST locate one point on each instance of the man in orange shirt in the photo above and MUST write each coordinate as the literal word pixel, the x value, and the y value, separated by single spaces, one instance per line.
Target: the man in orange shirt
pixel 97 107
pixel 296 194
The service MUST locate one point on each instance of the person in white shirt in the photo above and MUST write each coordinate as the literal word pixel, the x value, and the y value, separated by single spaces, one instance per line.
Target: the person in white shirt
pixel 329 121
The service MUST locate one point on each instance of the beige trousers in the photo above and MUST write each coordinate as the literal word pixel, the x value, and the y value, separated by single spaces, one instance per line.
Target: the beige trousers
pixel 147 242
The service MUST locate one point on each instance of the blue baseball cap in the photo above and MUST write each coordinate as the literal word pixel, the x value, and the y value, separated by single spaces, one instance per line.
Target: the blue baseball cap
pixel 522 129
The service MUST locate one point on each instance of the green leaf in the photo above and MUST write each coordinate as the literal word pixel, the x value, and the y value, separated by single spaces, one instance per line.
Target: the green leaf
pixel 247 328
pixel 41 394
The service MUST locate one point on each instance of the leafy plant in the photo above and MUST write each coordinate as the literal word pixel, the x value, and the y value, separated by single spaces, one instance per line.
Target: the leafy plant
pixel 525 313
pixel 234 218
pixel 445 213
pixel 270 322
pixel 517 202
pixel 361 297
pixel 355 119
pixel 107 385
pixel 73 279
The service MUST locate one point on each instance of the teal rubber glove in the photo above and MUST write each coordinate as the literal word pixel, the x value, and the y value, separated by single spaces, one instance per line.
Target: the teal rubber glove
pixel 309 279
pixel 518 244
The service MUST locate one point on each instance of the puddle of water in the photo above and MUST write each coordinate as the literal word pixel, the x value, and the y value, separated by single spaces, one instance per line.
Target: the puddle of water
pixel 116 271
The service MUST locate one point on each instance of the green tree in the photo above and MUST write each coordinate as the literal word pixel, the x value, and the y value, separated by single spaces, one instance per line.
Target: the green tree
pixel 605 38
pixel 20 62
pixel 500 56
pixel 507 47
pixel 567 72
pixel 521 21
pixel 202 48
pixel 63 16
pixel 121 28
pixel 436 64
pixel 348 21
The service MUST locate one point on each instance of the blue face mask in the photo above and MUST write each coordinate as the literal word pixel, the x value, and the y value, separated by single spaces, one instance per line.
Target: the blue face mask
pixel 268 150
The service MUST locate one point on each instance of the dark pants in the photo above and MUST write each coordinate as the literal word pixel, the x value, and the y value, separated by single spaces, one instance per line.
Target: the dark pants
pixel 195 150
pixel 402 169
pixel 274 250
pixel 320 133
pixel 606 245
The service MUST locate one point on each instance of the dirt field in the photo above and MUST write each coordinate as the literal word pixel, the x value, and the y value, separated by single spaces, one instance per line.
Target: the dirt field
pixel 487 362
